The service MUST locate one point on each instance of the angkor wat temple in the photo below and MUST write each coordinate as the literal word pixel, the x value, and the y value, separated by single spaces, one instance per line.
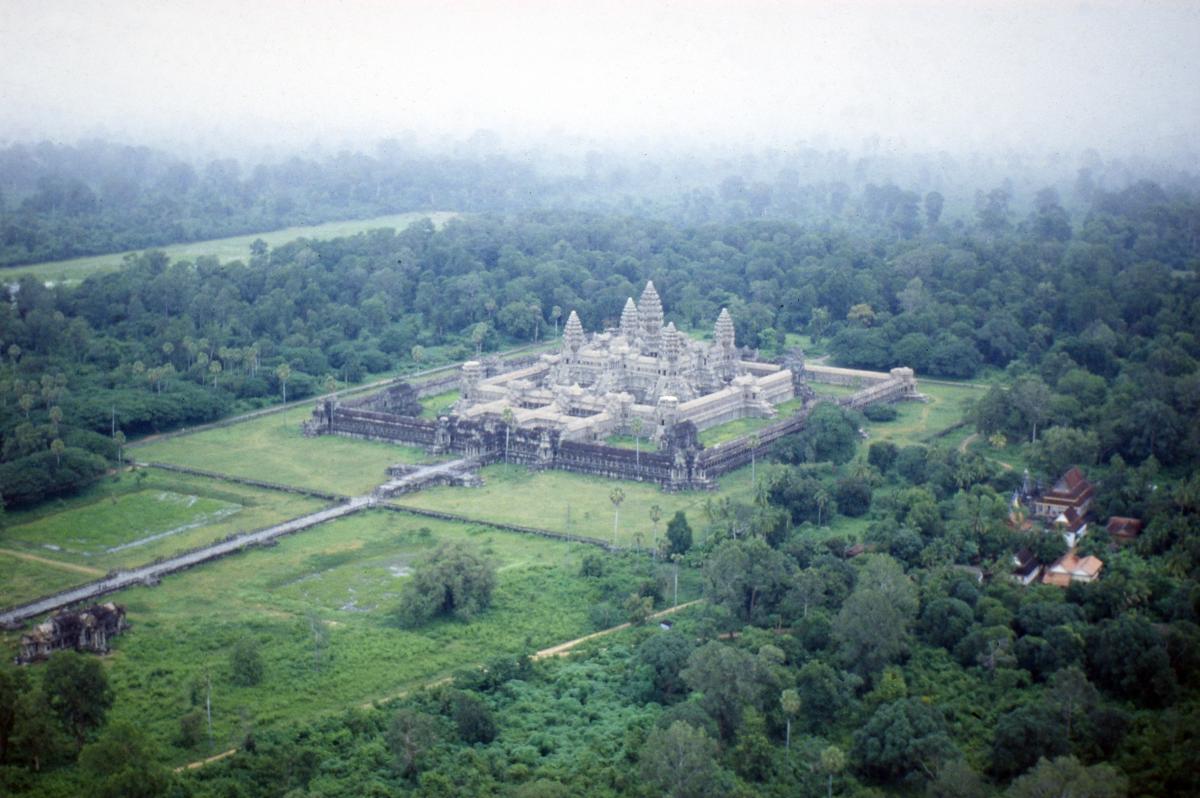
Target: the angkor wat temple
pixel 642 379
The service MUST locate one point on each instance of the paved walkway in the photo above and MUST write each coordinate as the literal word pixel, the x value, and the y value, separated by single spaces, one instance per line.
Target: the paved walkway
pixel 423 475
pixel 154 571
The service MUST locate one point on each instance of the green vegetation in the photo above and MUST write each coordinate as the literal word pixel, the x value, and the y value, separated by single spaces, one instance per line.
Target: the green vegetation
pixel 225 249
pixel 931 421
pixel 745 426
pixel 22 578
pixel 273 448
pixel 319 608
pixel 859 633
pixel 134 518
pixel 571 503
pixel 439 404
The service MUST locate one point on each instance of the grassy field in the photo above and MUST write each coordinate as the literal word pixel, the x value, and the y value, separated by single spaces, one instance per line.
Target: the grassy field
pixel 744 426
pixel 828 389
pixel 22 578
pixel 342 577
pixel 438 404
pixel 921 422
pixel 223 248
pixel 272 448
pixel 573 503
pixel 132 520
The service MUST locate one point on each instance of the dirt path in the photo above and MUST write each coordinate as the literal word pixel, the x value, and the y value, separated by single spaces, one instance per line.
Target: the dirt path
pixel 62 566
pixel 974 436
pixel 554 651
pixel 202 762
pixel 564 648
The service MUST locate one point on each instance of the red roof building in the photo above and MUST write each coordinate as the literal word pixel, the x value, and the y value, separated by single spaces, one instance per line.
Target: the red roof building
pixel 1124 530
pixel 1072 491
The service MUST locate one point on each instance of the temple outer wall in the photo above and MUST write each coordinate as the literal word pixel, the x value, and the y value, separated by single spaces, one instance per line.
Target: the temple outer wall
pixel 674 469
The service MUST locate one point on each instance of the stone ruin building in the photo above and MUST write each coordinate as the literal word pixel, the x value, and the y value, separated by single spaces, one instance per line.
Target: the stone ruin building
pixel 643 378
pixel 85 630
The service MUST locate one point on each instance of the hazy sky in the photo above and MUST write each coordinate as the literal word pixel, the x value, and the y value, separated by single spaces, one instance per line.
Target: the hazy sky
pixel 922 75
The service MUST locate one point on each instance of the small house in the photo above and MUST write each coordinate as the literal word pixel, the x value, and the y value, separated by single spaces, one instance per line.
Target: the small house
pixel 1072 568
pixel 1124 530
pixel 1071 524
pixel 1026 568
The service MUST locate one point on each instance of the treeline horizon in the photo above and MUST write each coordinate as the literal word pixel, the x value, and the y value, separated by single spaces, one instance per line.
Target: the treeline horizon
pixel 95 197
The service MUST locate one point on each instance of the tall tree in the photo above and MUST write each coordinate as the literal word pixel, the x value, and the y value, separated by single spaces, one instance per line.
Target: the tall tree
pixel 77 689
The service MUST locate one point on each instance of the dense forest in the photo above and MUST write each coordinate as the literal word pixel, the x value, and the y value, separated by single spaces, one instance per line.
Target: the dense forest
pixel 1096 322
pixel 60 201
pixel 917 668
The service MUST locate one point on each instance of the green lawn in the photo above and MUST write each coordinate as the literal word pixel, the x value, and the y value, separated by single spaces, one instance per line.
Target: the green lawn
pixel 272 448
pixel 223 248
pixel 573 503
pixel 920 422
pixel 22 580
pixel 343 577
pixel 119 524
pixel 828 389
pixel 642 444
pixel 439 404
pixel 731 430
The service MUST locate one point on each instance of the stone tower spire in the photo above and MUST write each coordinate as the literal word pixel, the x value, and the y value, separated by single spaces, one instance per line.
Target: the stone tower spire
pixel 671 344
pixel 629 320
pixel 650 310
pixel 573 333
pixel 723 330
pixel 650 319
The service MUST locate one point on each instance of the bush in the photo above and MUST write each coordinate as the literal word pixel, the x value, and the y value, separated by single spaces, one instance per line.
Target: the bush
pixel 28 480
pixel 245 663
pixel 454 580
pixel 881 412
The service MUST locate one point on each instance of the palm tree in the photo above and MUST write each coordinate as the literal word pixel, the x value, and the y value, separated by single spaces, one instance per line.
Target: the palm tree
pixel 119 439
pixel 616 496
pixel 58 447
pixel 790 701
pixel 655 517
pixel 832 761
pixel 823 501
pixel 284 373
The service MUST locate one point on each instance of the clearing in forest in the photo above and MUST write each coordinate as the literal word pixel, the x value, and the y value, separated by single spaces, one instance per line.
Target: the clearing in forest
pixel 234 247
pixel 927 423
